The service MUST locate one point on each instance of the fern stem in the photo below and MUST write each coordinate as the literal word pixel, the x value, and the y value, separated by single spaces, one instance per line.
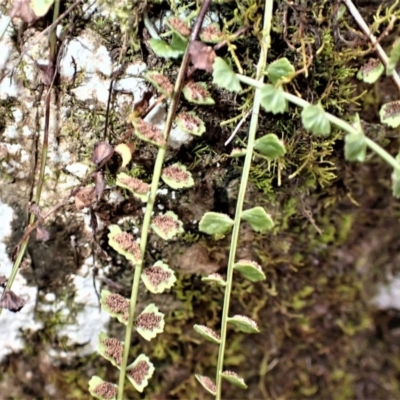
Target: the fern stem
pixel 45 147
pixel 265 43
pixel 180 80
pixel 340 123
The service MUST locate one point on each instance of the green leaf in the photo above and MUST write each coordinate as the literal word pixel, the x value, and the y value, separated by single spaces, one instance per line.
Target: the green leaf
pixel 136 186
pixel 394 57
pixel 273 99
pixel 214 279
pixel 115 305
pixel 280 69
pixel 163 49
pixel 167 225
pixel 207 333
pixel 124 243
pixel 176 176
pixel 197 93
pixel 258 219
pixel 238 153
pixel 355 147
pixel 139 372
pixel 371 71
pixel 179 43
pixel 270 146
pixel 224 77
pixel 111 349
pixel 150 322
pixel 214 223
pixel 390 114
pixel 234 378
pixel 207 384
pixel 243 324
pixel 41 7
pixel 158 278
pixel 315 120
pixel 250 270
pixel 396 180
pixel 190 123
pixel 97 386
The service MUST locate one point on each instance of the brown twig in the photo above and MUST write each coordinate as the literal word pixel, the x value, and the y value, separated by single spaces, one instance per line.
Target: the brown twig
pixel 364 27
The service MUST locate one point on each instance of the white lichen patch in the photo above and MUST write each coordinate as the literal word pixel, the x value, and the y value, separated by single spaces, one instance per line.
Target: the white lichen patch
pixel 13 324
pixel 388 295
pixel 90 320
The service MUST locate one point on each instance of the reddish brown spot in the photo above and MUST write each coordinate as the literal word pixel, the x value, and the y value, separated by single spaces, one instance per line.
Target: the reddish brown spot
pixel 210 33
pixel 197 91
pixel 175 173
pixel 118 304
pixel 156 275
pixel 106 390
pixel 392 109
pixel 151 132
pixel 114 349
pixel 208 383
pixel 370 65
pixel 249 262
pixel 148 321
pixel 85 197
pixel 189 122
pixel 163 82
pixel 139 371
pixel 210 332
pixel 165 223
pixel 127 243
pixel 135 184
pixel 179 26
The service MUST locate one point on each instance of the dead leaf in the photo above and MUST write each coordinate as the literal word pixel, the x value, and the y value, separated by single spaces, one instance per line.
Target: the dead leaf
pixel 85 197
pixel 202 56
pixel 102 151
pixel 42 234
pixel 125 151
pixel 3 280
pixel 10 301
pixel 47 73
pixel 21 9
pixel 100 184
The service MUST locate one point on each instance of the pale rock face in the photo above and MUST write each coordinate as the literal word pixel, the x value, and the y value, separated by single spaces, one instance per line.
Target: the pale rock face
pixel 13 323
